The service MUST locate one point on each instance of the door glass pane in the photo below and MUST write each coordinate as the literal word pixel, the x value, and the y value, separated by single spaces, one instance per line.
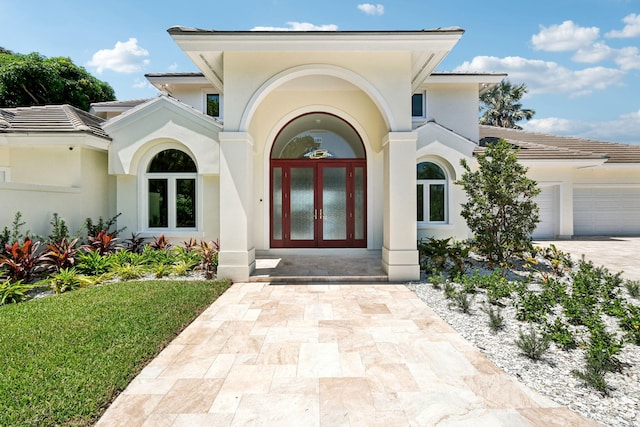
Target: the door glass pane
pixel 436 202
pixel 185 203
pixel 301 199
pixel 359 203
pixel 420 202
pixel 158 203
pixel 276 225
pixel 334 204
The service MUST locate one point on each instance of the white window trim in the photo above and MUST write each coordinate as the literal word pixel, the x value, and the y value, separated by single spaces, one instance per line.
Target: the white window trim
pixel 206 92
pixel 172 200
pixel 143 194
pixel 425 196
pixel 424 105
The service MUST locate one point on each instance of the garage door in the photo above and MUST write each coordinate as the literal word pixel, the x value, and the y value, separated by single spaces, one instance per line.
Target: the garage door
pixel 610 211
pixel 548 203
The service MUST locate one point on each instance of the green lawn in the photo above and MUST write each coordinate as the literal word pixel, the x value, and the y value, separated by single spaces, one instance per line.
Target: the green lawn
pixel 63 359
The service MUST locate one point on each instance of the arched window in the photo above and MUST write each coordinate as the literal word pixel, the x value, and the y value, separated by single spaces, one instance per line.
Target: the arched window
pixel 171 188
pixel 432 194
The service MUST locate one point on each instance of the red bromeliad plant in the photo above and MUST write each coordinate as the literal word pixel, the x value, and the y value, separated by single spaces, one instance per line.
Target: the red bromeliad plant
pixel 160 242
pixel 22 261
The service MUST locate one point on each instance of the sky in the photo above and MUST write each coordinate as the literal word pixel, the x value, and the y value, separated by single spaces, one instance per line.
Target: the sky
pixel 580 59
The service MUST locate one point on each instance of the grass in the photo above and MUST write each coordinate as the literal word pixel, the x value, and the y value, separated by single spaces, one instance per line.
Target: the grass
pixel 65 358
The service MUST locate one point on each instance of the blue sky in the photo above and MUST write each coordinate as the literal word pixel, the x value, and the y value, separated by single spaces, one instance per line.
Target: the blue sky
pixel 579 58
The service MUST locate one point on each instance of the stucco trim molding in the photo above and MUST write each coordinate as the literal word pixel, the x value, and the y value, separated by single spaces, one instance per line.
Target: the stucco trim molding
pixel 316 69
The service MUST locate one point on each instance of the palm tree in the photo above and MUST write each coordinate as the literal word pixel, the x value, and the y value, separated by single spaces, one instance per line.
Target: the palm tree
pixel 502 107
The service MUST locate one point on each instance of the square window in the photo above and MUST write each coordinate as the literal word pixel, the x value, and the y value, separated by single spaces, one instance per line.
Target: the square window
pixel 213 104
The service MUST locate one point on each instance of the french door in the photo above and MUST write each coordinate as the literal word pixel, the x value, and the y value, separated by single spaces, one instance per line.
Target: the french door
pixel 318 203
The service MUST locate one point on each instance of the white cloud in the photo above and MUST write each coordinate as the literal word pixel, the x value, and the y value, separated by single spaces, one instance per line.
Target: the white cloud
pixel 625 129
pixel 371 9
pixel 299 26
pixel 564 37
pixel 125 57
pixel 632 29
pixel 595 53
pixel 545 76
pixel 628 58
pixel 173 67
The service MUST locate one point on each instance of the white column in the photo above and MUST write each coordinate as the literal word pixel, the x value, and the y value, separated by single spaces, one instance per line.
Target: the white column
pixel 237 256
pixel 399 250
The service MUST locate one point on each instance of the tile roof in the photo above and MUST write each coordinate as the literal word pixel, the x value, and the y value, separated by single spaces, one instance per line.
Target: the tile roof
pixel 543 146
pixel 50 118
pixel 120 104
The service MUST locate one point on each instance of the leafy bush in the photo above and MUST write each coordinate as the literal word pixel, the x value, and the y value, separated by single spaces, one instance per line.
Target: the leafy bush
pixel 496 320
pixel 93 229
pixel 209 257
pixel 15 234
pixel 559 333
pixel 442 254
pixel 135 243
pixel 462 301
pixel 93 263
pixel 59 229
pixel 61 254
pixel 532 344
pixel 500 209
pixel 128 271
pixel 68 279
pixel 633 287
pixel 532 306
pixel 13 292
pixel 103 242
pixel 22 262
pixel 630 323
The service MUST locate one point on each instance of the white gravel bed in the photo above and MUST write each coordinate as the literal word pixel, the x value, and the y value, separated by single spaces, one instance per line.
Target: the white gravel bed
pixel 551 375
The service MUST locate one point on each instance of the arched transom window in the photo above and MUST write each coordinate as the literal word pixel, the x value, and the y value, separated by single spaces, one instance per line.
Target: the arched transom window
pixel 432 193
pixel 171 187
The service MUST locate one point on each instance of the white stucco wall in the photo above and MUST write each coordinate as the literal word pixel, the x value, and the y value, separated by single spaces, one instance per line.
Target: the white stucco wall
pixel 73 183
pixel 454 107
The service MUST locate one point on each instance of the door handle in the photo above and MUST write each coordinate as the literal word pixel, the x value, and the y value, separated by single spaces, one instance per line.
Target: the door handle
pixel 321 216
pixel 315 214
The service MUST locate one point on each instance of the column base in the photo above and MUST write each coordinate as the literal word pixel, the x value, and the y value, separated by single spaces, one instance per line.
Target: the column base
pixel 401 265
pixel 236 265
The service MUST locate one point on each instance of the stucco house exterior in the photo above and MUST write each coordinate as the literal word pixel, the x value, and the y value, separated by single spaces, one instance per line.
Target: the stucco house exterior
pixel 300 141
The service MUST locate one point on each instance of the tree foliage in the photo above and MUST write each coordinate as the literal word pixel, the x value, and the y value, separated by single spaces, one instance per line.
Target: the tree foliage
pixel 500 210
pixel 34 79
pixel 501 105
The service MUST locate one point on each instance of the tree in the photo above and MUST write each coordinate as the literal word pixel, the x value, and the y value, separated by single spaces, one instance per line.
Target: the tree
pixel 500 210
pixel 34 79
pixel 502 107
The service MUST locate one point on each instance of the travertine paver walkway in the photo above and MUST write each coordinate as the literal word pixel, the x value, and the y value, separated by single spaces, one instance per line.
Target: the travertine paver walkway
pixel 330 355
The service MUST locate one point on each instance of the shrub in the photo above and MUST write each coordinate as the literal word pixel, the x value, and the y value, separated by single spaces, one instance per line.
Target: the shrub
pixel 22 262
pixel 630 323
pixel 532 344
pixel 442 253
pixel 162 270
pixel 462 300
pixel 500 209
pixel 532 306
pixel 600 358
pixel 93 229
pixel 68 279
pixel 209 257
pixel 560 334
pixel 449 290
pixel 160 242
pixel 61 254
pixel 103 242
pixel 59 229
pixel 93 263
pixel 13 292
pixel 633 287
pixel 496 320
pixel 128 271
pixel 135 243
pixel 15 234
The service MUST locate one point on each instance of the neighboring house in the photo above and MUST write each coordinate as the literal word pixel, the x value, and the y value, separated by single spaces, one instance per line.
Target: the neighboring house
pixel 291 140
